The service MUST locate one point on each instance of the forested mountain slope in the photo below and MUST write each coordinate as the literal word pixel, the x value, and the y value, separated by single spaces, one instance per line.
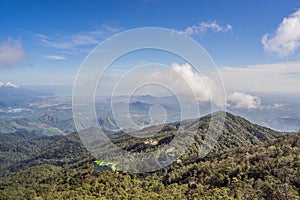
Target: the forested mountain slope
pixel 270 170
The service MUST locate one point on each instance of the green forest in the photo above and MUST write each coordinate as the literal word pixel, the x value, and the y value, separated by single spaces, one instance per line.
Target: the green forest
pixel 249 162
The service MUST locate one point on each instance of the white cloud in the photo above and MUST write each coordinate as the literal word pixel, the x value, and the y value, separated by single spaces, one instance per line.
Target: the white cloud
pixel 196 81
pixel 111 28
pixel 54 57
pixel 278 105
pixel 203 27
pixel 11 52
pixel 286 39
pixel 69 42
pixel 280 77
pixel 243 100
pixel 182 80
pixel 77 40
pixel 8 84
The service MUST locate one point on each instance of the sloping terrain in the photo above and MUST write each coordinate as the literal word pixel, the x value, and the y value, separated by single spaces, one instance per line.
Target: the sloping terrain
pixel 44 125
pixel 270 170
pixel 62 150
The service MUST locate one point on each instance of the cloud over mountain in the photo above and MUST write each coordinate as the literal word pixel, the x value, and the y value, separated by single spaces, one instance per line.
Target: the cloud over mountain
pixel 180 80
pixel 286 39
pixel 243 100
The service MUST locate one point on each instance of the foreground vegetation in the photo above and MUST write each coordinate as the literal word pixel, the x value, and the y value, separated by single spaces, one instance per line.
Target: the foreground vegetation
pixel 267 171
pixel 249 162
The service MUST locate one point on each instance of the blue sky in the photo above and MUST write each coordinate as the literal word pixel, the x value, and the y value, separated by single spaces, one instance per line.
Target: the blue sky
pixel 44 42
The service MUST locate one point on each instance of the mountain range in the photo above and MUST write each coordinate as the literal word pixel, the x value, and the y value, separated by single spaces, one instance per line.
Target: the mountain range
pixel 276 111
pixel 249 161
pixel 237 131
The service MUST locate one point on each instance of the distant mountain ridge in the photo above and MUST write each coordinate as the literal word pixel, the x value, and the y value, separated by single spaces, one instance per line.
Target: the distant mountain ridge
pixel 237 132
pixel 279 113
pixel 17 97
pixel 44 125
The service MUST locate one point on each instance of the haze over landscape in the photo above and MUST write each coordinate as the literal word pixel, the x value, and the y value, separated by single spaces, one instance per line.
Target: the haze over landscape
pixel 218 120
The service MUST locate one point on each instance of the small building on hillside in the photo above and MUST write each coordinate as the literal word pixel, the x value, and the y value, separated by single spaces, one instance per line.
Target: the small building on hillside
pixel 102 166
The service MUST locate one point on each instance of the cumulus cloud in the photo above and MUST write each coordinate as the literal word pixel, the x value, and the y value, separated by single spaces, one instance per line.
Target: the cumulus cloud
pixel 243 100
pixel 203 27
pixel 54 57
pixel 198 83
pixel 286 39
pixel 11 52
pixel 181 79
